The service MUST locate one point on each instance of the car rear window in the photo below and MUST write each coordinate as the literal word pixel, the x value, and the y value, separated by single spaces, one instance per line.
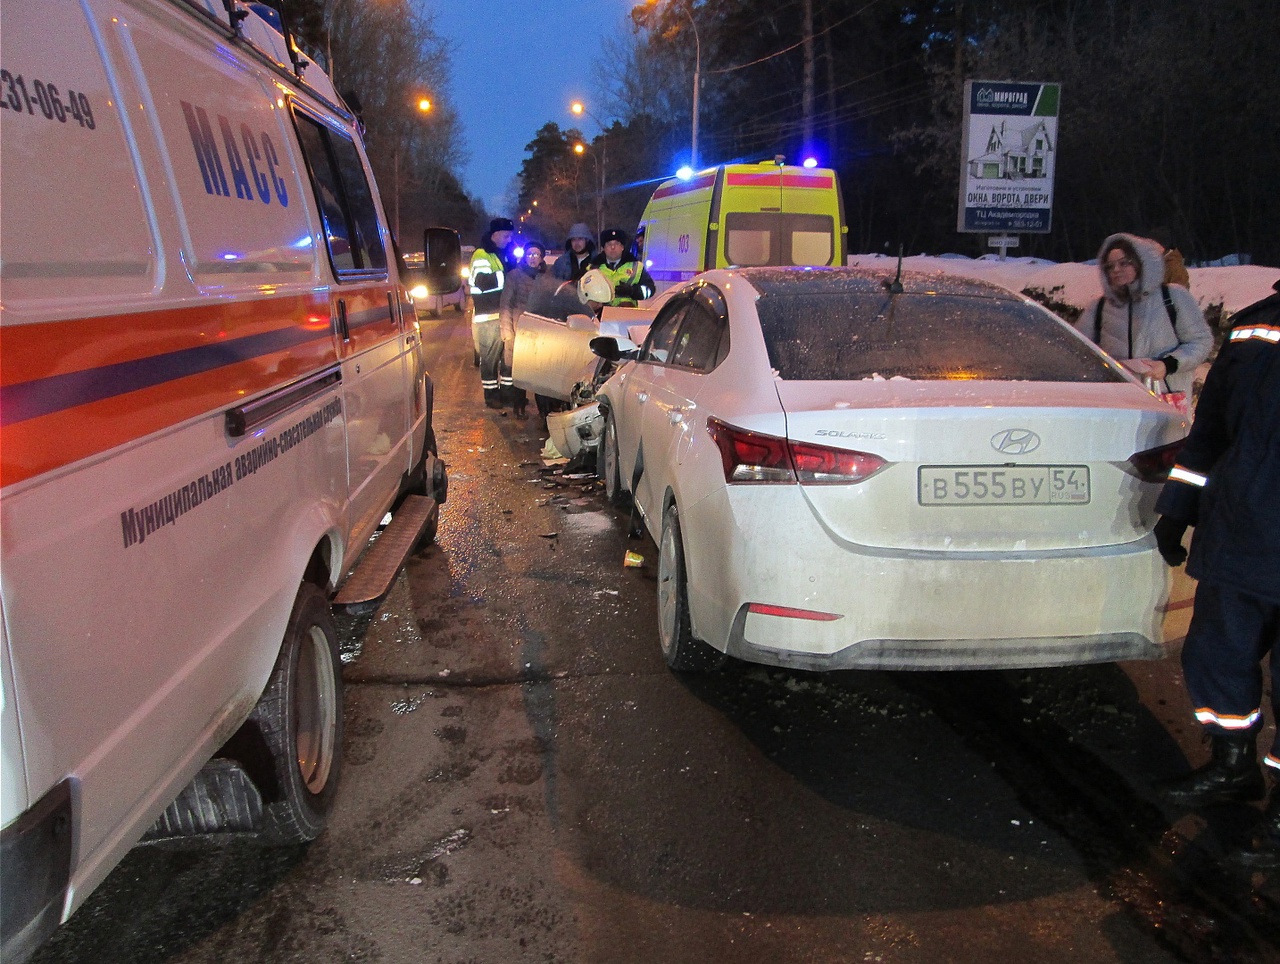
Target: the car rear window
pixel 846 336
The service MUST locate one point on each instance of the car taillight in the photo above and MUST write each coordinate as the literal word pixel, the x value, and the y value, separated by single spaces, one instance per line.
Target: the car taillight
pixel 755 457
pixel 1153 465
pixel 790 612
pixel 819 464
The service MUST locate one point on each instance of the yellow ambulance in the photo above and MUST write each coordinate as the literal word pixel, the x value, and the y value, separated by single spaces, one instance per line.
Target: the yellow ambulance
pixel 739 215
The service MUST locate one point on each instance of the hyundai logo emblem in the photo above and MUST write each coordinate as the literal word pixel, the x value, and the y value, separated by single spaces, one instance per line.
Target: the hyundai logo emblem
pixel 1015 441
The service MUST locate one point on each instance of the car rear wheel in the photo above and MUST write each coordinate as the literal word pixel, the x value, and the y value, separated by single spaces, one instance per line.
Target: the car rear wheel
pixel 681 650
pixel 300 719
pixel 608 468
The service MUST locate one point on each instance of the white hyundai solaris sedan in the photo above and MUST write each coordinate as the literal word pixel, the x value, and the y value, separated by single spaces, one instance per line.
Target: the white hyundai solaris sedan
pixel 846 470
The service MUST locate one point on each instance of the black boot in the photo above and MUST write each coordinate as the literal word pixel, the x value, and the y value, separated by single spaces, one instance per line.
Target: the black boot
pixel 1265 852
pixel 1232 775
pixel 493 398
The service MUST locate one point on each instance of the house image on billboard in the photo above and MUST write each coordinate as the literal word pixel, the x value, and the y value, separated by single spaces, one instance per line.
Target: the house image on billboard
pixel 1014 154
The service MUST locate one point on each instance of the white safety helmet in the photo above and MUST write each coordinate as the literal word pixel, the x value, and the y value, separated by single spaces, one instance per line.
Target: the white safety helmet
pixel 594 286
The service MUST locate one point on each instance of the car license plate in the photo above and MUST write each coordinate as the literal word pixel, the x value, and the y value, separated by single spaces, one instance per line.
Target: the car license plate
pixel 1004 485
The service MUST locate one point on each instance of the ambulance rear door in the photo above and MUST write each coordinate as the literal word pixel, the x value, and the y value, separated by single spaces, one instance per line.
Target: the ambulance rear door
pixel 771 215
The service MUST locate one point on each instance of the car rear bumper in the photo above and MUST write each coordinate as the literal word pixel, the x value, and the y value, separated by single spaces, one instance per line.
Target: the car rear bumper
pixel 944 654
pixel 915 610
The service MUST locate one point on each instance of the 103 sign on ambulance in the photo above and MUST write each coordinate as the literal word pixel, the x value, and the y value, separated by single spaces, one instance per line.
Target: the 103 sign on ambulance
pixel 212 392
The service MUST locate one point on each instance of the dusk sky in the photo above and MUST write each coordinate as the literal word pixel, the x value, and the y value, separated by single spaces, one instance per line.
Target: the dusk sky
pixel 540 54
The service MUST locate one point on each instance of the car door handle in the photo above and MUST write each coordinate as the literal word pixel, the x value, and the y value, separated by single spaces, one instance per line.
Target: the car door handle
pixel 642 396
pixel 676 415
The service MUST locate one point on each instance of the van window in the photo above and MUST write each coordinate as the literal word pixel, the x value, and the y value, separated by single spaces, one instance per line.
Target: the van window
pixel 767 238
pixel 346 203
pixel 811 247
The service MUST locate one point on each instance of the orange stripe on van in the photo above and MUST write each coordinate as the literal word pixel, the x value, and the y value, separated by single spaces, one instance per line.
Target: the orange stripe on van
pixel 699 183
pixel 775 179
pixel 74 389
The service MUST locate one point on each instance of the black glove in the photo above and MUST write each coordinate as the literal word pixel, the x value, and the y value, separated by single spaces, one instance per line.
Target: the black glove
pixel 1169 532
pixel 486 280
pixel 624 290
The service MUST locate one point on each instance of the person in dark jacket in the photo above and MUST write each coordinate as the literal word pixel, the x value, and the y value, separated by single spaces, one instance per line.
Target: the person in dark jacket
pixel 1227 485
pixel 515 299
pixel 579 248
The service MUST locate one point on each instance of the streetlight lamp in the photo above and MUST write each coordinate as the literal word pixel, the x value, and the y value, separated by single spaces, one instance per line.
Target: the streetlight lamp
pixel 577 107
pixel 581 149
pixel 697 79
pixel 424 106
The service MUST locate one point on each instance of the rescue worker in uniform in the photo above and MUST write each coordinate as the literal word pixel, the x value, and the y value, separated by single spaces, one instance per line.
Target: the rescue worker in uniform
pixel 1227 485
pixel 489 266
pixel 631 282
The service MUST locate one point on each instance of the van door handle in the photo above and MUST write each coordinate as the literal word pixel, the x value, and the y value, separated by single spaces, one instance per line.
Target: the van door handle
pixel 676 415
pixel 642 396
pixel 340 320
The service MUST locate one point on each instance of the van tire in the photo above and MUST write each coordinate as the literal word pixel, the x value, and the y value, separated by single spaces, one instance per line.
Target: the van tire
pixel 300 719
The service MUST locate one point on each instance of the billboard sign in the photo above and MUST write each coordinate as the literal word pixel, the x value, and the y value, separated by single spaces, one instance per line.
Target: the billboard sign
pixel 1008 156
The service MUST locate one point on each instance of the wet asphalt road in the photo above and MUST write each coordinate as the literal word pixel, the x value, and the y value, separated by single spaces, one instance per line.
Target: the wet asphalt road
pixel 525 781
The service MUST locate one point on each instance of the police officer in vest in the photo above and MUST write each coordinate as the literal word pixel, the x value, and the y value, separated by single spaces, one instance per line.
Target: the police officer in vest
pixel 489 266
pixel 631 282
pixel 1227 485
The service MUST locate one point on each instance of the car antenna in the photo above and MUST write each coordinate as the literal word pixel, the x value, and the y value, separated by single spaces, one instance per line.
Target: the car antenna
pixel 894 287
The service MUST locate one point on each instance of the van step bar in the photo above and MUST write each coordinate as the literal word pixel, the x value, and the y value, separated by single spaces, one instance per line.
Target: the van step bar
pixel 371 580
pixel 220 799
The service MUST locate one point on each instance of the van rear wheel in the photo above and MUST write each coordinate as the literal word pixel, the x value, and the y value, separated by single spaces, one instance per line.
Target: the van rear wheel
pixel 300 719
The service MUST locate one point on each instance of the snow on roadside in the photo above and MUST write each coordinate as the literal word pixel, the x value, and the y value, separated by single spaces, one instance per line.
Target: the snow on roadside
pixel 1079 284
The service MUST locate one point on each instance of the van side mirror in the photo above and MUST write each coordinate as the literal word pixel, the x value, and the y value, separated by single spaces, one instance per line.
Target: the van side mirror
pixel 605 347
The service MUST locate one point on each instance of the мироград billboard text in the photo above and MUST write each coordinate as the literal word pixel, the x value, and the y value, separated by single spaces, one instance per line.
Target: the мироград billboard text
pixel 1007 159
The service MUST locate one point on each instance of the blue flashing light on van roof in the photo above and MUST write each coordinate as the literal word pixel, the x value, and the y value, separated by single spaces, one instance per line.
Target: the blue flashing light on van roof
pixel 685 173
pixel 811 162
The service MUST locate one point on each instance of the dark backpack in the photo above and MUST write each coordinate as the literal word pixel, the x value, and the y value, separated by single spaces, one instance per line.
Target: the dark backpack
pixel 1171 311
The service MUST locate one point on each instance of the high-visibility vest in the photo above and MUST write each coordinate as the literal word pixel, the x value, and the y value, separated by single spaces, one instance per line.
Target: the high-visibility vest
pixel 486 302
pixel 628 272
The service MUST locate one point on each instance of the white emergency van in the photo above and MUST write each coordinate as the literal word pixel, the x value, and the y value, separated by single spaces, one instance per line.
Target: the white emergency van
pixel 212 391
pixel 742 215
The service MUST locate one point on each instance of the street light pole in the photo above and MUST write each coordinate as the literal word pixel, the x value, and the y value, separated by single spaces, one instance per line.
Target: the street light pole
pixel 697 78
pixel 424 106
pixel 602 164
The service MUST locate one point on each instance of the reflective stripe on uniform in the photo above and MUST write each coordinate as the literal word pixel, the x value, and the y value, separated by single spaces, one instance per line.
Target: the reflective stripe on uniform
pixel 1272 760
pixel 488 316
pixel 1263 332
pixel 488 383
pixel 1227 722
pixel 1186 475
pixel 506 381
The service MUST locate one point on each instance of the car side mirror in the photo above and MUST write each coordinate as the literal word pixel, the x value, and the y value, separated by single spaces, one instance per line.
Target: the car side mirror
pixel 605 347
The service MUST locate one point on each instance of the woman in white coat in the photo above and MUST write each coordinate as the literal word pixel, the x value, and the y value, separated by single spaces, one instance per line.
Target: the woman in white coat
pixel 1157 331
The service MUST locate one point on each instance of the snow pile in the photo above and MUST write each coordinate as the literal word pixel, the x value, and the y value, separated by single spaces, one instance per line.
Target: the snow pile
pixel 1078 285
